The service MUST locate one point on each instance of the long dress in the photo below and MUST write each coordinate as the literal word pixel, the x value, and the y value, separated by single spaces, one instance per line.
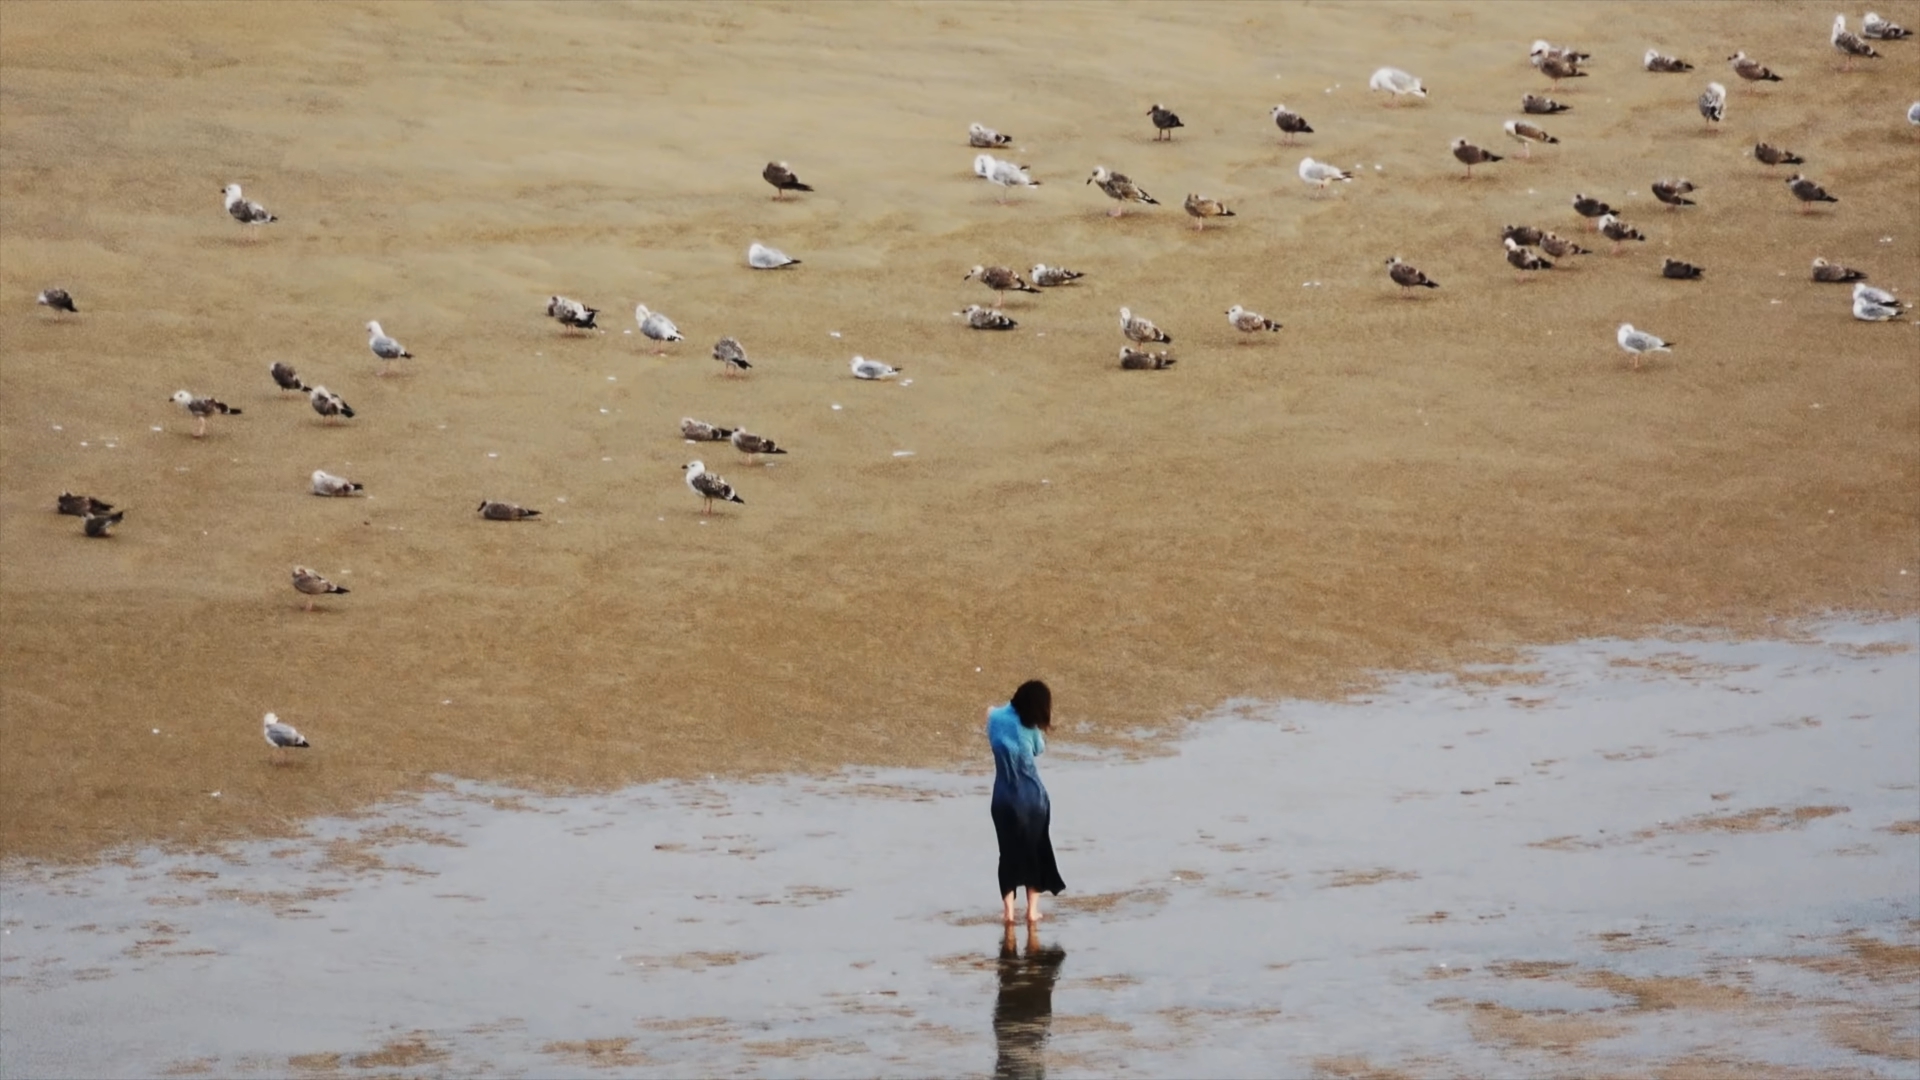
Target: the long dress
pixel 1021 810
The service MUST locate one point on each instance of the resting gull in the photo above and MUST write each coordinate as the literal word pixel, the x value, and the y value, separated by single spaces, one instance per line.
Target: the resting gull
pixel 1657 61
pixel 1523 260
pixel 732 356
pixel 1769 154
pixel 709 486
pixel 752 445
pixel 1882 297
pixel 1879 29
pixel 1320 174
pixel 700 431
pixel 1559 247
pixel 1590 208
pixel 1142 331
pixel 781 177
pixel 1619 232
pixel 1556 68
pixel 338 487
pixel 57 299
pixel 286 378
pixel 309 582
pixel 80 505
pixel 1408 276
pixel 864 368
pixel 1164 121
pixel 1913 114
pixel 571 313
pixel 328 404
pixel 201 408
pixel 1832 272
pixel 981 135
pixel 1713 103
pixel 1396 83
pixel 504 511
pixel 1201 208
pixel 1526 135
pixel 1545 50
pixel 762 257
pixel 1522 234
pixel 1470 155
pixel 1639 343
pixel 245 211
pixel 1290 124
pixel 1808 192
pixel 1535 105
pixel 1050 276
pixel 1249 322
pixel 1000 279
pixel 1849 44
pixel 1120 188
pixel 1680 271
pixel 96 525
pixel 384 347
pixel 1866 310
pixel 656 327
pixel 282 736
pixel 981 318
pixel 1003 174
pixel 1673 192
pixel 1136 360
pixel 1750 69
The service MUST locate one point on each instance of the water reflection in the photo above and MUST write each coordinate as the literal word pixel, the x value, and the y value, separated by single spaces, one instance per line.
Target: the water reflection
pixel 1023 1010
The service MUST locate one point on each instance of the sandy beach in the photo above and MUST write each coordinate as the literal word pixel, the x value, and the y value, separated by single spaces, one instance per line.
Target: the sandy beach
pixel 1384 485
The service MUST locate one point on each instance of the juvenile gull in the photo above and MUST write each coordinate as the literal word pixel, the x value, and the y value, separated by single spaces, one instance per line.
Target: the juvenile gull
pixel 750 444
pixel 1141 330
pixel 1249 322
pixel 1866 310
pixel 1861 290
pixel 1558 247
pixel 1713 103
pixel 245 211
pixel 1003 174
pixel 571 313
pixel 864 368
pixel 1396 83
pixel 762 257
pixel 286 378
pixel 1408 276
pixel 328 404
pixel 1680 271
pixel 1590 208
pixel 1557 68
pixel 201 408
pixel 1050 276
pixel 1320 174
pixel 1808 192
pixel 282 736
pixel 96 525
pixel 709 486
pixel 1769 154
pixel 1543 50
pixel 1673 192
pixel 339 487
pixel 1750 69
pixel 1523 260
pixel 1000 279
pixel 656 327
pixel 1470 155
pixel 1290 124
pixel 384 347
pixel 80 505
pixel 983 136
pixel 1535 105
pixel 732 356
pixel 1656 61
pixel 57 299
pixel 1526 135
pixel 701 431
pixel 1879 29
pixel 1201 208
pixel 1849 44
pixel 504 511
pixel 781 177
pixel 985 319
pixel 1522 234
pixel 1619 232
pixel 1120 188
pixel 1164 121
pixel 1831 272
pixel 1135 360
pixel 309 582
pixel 1639 343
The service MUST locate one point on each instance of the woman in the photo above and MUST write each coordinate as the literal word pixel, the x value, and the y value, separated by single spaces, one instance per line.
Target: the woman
pixel 1021 811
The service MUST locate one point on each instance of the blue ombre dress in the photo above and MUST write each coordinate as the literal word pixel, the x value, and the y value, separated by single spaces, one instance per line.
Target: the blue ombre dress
pixel 1021 811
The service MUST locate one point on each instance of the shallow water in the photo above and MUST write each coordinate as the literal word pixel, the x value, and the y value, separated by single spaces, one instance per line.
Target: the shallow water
pixel 1611 855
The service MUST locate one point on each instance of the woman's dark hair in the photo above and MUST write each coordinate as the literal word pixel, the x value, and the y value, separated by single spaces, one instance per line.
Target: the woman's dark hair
pixel 1034 704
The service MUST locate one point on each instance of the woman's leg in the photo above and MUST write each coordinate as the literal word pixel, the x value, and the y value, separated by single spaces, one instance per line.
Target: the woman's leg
pixel 1006 904
pixel 1033 906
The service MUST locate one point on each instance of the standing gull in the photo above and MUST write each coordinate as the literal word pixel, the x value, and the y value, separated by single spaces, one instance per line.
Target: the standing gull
pixel 1769 154
pixel 337 487
pixel 1201 208
pixel 97 524
pixel 1408 276
pixel 1680 271
pixel 1140 330
pixel 1619 232
pixel 1535 105
pixel 981 318
pixel 200 408
pixel 1559 247
pixel 1545 50
pixel 504 511
pixel 1120 189
pixel 1639 343
pixel 310 584
pixel 571 313
pixel 1808 192
pixel 1290 124
pixel 981 135
pixel 1848 43
pixel 1866 310
pixel 1523 260
pixel 1396 83
pixel 1750 69
pixel 655 327
pixel 1656 61
pixel 245 211
pixel 1133 359
pixel 732 356
pixel 384 347
pixel 57 299
pixel 1713 103
pixel 1003 174
pixel 1833 272
pixel 1470 155
pixel 1000 279
pixel 781 177
pixel 285 377
pixel 1879 29
pixel 282 736
pixel 751 445
pixel 328 404
pixel 1249 322
pixel 1050 276
pixel 864 368
pixel 709 486
pixel 700 431
pixel 1164 121
pixel 762 257
pixel 1590 208
pixel 1673 192
pixel 1320 174
pixel 1526 135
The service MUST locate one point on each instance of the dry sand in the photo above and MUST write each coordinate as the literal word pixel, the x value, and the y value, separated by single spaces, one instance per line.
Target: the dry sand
pixel 1381 485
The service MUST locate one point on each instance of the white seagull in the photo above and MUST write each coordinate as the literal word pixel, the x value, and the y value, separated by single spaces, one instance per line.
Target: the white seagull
pixel 325 483
pixel 1005 174
pixel 762 257
pixel 655 326
pixel 864 368
pixel 1320 174
pixel 1396 83
pixel 1639 343
pixel 282 736
pixel 1862 290
pixel 385 347
pixel 1866 310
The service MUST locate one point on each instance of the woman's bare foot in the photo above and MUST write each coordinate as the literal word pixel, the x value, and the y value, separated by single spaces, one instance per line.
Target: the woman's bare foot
pixel 1006 904
pixel 1033 908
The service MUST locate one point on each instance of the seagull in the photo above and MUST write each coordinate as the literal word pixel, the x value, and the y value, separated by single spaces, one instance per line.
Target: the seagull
pixel 1396 83
pixel 286 378
pixel 1557 247
pixel 1673 192
pixel 1680 271
pixel 1522 234
pixel 1877 296
pixel 1141 330
pixel 1656 61
pixel 1913 114
pixel 985 319
pixel 80 505
pixel 1000 279
pixel 1526 135
pixel 1523 260
pixel 201 408
pixel 57 299
pixel 1290 124
pixel 709 486
pixel 1808 192
pixel 1050 276
pixel 572 314
pixel 1470 155
pixel 1120 189
pixel 750 444
pixel 1750 69
pixel 325 483
pixel 1408 276
pixel 328 404
pixel 1005 174
pixel 1249 322
pixel 1164 121
pixel 1135 360
pixel 655 326
pixel 1320 174
pixel 864 368
pixel 1866 310
pixel 732 356
pixel 96 525
pixel 385 347
pixel 1535 105
pixel 245 211
pixel 1618 231
pixel 1639 343
pixel 309 582
pixel 504 511
pixel 1830 272
pixel 1769 154
pixel 1713 103
pixel 1879 29
pixel 1590 208
pixel 781 177
pixel 700 431
pixel 762 257
pixel 983 136
pixel 1849 44
pixel 1202 208
pixel 1557 68
pixel 1543 50
pixel 282 736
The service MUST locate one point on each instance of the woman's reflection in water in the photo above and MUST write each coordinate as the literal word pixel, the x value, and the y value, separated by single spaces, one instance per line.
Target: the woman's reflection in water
pixel 1023 1011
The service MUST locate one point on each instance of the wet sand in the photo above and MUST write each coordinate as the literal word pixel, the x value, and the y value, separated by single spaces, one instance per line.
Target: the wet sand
pixel 1384 485
pixel 1664 858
